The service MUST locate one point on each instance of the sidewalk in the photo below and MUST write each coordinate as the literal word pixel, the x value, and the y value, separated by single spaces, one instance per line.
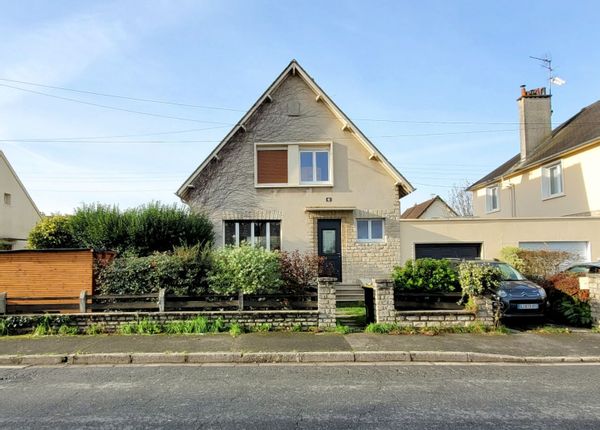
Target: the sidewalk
pixel 299 347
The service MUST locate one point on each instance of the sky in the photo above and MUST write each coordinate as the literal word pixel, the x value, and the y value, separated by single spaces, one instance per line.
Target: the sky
pixel 432 83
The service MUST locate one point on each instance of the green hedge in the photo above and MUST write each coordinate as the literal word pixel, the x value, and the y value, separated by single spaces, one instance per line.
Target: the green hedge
pixel 426 275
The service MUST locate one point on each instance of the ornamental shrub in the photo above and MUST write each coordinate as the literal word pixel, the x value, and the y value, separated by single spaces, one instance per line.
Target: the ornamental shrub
pixel 535 264
pixel 568 302
pixel 53 231
pixel 478 278
pixel 299 270
pixel 426 275
pixel 181 272
pixel 246 269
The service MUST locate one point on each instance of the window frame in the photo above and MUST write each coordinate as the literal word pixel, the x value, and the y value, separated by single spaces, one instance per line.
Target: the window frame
pixel 252 239
pixel 547 180
pixel 314 152
pixel 370 239
pixel 488 198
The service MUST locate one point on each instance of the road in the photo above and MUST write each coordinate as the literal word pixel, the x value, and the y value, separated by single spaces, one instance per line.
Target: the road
pixel 287 396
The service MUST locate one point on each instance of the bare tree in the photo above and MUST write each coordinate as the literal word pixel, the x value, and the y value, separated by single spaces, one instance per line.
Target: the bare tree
pixel 460 199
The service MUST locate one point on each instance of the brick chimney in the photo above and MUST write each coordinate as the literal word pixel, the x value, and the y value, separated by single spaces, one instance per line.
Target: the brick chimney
pixel 534 119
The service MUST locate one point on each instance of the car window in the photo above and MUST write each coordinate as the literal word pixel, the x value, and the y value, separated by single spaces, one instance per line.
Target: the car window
pixel 509 273
pixel 579 269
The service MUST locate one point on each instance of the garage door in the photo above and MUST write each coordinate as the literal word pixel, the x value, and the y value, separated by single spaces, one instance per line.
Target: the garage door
pixel 448 250
pixel 579 250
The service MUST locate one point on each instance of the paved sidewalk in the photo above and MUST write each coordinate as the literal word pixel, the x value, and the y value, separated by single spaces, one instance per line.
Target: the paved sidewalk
pixel 299 347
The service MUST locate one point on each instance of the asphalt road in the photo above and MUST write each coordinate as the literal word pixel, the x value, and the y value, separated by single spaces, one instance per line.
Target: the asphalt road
pixel 287 396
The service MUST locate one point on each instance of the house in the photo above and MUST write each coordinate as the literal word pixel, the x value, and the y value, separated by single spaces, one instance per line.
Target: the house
pixel 296 173
pixel 435 207
pixel 555 174
pixel 18 212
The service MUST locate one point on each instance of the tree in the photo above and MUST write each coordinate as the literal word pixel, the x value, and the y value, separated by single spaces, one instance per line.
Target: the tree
pixel 460 199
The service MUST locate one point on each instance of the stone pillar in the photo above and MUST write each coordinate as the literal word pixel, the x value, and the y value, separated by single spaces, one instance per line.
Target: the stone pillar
pixel 383 292
pixel 2 303
pixel 83 302
pixel 484 312
pixel 327 302
pixel 592 282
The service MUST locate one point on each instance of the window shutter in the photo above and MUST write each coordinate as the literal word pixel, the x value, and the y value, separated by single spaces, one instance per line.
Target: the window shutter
pixel 272 166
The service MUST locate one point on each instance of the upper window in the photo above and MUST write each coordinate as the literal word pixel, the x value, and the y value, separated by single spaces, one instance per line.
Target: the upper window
pixel 314 166
pixel 7 198
pixel 552 180
pixel 266 234
pixel 271 166
pixel 492 199
pixel 369 230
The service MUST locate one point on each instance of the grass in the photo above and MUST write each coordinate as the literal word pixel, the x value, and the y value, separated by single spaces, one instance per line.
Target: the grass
pixel 433 331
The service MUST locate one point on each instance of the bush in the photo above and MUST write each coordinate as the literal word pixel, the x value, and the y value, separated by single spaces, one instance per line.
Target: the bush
pixel 476 278
pixel 568 302
pixel 245 269
pixel 575 311
pixel 299 270
pixel 510 254
pixel 53 231
pixel 535 264
pixel 181 272
pixel 427 275
pixel 141 231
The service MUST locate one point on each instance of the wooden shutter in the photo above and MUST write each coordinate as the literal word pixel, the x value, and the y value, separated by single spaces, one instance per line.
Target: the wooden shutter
pixel 272 166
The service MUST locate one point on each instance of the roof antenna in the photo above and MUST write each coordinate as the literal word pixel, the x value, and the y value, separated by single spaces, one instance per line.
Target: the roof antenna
pixel 546 63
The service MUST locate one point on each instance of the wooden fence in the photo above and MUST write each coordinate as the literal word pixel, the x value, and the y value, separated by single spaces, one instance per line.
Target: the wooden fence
pixel 159 302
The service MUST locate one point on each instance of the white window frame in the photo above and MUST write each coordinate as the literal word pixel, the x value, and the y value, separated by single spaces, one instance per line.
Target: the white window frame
pixel 370 235
pixel 488 199
pixel 314 152
pixel 547 182
pixel 252 242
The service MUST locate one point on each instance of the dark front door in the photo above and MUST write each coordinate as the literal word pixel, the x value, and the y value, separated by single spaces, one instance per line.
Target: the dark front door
pixel 330 246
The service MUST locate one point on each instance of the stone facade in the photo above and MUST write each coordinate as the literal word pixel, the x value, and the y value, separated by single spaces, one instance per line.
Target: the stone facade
pixel 386 313
pixel 592 282
pixel 327 303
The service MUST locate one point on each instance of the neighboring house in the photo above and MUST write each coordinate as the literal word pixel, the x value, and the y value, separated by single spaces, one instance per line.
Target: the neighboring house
pixel 296 173
pixel 555 174
pixel 18 212
pixel 435 207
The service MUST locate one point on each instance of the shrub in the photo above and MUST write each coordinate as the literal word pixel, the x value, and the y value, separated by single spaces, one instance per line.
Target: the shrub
pixel 53 231
pixel 476 278
pixel 426 274
pixel 575 311
pixel 181 272
pixel 568 302
pixel 510 254
pixel 299 270
pixel 246 269
pixel 535 264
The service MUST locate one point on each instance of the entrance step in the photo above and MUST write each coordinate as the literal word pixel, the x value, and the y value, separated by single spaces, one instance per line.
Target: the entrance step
pixel 349 293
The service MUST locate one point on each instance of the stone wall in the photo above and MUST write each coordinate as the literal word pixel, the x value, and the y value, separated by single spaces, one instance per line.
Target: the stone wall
pixel 327 303
pixel 592 282
pixel 386 313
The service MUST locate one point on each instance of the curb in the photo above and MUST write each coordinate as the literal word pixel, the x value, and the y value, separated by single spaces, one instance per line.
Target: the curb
pixel 284 357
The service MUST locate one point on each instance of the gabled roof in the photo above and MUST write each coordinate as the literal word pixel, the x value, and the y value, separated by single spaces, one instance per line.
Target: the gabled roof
pixel 12 171
pixel 579 131
pixel 295 69
pixel 418 210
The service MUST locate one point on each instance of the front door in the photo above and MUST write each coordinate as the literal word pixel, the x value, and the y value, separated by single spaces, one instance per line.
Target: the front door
pixel 330 246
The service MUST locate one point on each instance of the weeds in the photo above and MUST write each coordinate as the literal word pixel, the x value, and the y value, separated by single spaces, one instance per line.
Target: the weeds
pixel 297 328
pixel 476 328
pixel 235 329
pixel 65 330
pixel 94 329
pixel 549 329
pixel 262 328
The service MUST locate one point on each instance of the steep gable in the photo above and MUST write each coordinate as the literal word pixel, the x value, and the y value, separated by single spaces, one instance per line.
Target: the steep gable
pixel 262 122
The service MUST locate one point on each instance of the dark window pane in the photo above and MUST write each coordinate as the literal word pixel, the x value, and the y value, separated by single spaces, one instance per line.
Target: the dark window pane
pixel 275 231
pixel 260 233
pixel 230 233
pixel 245 233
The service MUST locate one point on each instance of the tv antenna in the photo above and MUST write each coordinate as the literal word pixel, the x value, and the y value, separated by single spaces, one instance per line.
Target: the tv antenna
pixel 546 63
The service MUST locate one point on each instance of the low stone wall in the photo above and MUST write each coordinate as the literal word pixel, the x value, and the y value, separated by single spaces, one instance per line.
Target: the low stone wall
pixel 386 313
pixel 592 283
pixel 110 321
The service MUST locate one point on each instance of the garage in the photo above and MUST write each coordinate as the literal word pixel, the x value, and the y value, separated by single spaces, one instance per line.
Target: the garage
pixel 448 250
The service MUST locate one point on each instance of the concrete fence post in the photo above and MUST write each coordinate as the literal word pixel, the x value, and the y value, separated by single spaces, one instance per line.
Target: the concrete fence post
pixel 241 301
pixel 2 303
pixel 327 302
pixel 383 298
pixel 83 302
pixel 161 299
pixel 592 283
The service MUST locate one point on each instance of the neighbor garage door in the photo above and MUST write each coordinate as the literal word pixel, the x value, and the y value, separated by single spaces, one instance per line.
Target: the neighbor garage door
pixel 448 250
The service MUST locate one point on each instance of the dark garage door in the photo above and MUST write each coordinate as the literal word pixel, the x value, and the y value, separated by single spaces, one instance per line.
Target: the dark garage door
pixel 448 250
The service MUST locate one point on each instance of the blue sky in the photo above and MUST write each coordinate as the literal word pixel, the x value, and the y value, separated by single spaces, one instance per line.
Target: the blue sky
pixel 432 83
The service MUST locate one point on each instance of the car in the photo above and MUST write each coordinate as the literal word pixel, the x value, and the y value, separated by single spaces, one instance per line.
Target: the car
pixel 517 296
pixel 583 268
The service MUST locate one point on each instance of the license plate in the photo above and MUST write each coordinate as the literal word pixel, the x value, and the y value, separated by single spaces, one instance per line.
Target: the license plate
pixel 528 306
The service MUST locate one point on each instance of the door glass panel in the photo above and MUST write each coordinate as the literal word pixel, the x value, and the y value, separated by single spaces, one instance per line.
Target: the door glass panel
pixel 275 227
pixel 328 242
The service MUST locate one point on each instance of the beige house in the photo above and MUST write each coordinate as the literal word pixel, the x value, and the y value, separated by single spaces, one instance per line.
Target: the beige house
pixel 18 212
pixel 433 208
pixel 556 171
pixel 296 173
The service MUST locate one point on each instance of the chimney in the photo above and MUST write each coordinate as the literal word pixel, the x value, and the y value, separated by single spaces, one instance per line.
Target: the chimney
pixel 534 119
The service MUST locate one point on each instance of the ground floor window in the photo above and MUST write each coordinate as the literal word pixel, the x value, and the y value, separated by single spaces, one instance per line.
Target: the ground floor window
pixel 369 230
pixel 266 234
